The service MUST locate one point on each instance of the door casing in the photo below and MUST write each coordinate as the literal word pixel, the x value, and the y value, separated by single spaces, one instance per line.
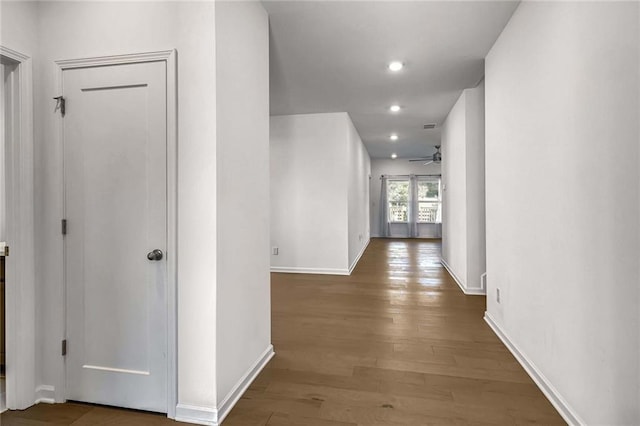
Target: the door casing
pixel 20 266
pixel 170 58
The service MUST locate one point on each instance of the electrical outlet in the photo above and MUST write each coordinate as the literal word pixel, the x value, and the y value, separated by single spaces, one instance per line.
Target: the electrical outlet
pixel 498 295
pixel 359 237
pixel 274 251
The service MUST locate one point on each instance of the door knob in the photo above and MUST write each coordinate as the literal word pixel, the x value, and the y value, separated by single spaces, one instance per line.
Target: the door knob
pixel 155 255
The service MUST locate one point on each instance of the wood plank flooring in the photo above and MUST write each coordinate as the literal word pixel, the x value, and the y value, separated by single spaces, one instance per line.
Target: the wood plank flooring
pixel 396 343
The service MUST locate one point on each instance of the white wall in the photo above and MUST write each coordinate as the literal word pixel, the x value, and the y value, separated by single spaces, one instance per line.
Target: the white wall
pixel 20 27
pixel 308 203
pixel 383 166
pixel 318 168
pixel 562 175
pixel 243 284
pixel 476 229
pixel 463 234
pixel 359 170
pixel 84 29
pixel 454 195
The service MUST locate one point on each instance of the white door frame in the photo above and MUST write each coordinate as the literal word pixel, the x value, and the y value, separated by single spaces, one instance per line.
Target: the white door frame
pixel 169 58
pixel 20 266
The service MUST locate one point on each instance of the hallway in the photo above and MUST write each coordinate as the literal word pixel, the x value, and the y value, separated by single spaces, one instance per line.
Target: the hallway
pixel 395 343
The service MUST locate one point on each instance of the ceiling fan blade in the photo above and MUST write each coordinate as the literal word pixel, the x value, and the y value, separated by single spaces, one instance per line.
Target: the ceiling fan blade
pixel 420 159
pixel 427 163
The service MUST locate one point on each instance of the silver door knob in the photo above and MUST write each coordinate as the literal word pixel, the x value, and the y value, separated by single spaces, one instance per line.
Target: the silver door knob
pixel 155 255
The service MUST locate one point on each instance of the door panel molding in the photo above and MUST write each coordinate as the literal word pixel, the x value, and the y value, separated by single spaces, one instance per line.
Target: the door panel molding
pixel 20 265
pixel 169 57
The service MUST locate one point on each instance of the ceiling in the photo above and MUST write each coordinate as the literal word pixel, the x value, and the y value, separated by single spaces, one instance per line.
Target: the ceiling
pixel 332 56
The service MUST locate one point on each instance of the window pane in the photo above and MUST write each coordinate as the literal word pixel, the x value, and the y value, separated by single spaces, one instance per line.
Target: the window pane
pixel 398 199
pixel 398 190
pixel 397 211
pixel 429 212
pixel 428 190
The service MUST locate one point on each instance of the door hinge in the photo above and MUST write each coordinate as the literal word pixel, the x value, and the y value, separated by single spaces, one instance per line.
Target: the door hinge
pixel 64 226
pixel 61 104
pixel 4 250
pixel 64 347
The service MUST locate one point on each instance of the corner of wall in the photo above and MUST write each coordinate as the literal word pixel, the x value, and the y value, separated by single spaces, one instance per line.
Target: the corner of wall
pixel 470 291
pixel 550 392
pixel 46 394
pixel 230 400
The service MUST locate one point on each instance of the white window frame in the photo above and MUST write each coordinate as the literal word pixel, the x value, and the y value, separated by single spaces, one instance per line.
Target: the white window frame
pixel 408 181
pixel 438 201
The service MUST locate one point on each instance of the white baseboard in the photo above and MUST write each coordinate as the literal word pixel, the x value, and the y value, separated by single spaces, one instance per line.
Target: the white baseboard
pixel 567 413
pixel 357 259
pixel 243 384
pixel 322 271
pixel 465 290
pixel 214 417
pixel 296 270
pixel 196 415
pixel 45 394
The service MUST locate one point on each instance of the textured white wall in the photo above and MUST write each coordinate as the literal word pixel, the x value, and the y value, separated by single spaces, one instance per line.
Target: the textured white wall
pixel 243 284
pixel 562 181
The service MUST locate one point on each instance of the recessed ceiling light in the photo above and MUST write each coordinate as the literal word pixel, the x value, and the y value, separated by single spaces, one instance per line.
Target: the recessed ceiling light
pixel 396 66
pixel 393 137
pixel 394 155
pixel 394 108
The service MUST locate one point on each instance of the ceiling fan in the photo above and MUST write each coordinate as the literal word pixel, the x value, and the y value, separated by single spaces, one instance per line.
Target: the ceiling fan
pixel 435 158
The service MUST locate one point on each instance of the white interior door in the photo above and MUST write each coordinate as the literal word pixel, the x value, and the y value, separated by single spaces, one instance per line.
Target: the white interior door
pixel 115 162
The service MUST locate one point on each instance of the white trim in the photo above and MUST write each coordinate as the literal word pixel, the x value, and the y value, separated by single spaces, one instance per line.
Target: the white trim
pixel 357 259
pixel 45 394
pixel 116 370
pixel 243 384
pixel 172 231
pixel 297 270
pixel 321 271
pixel 552 394
pixel 162 55
pixel 20 272
pixel 196 415
pixel 170 59
pixel 214 416
pixel 465 290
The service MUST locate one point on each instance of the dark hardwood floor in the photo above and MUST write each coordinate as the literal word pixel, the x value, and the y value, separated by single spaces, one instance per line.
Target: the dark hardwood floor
pixel 395 343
